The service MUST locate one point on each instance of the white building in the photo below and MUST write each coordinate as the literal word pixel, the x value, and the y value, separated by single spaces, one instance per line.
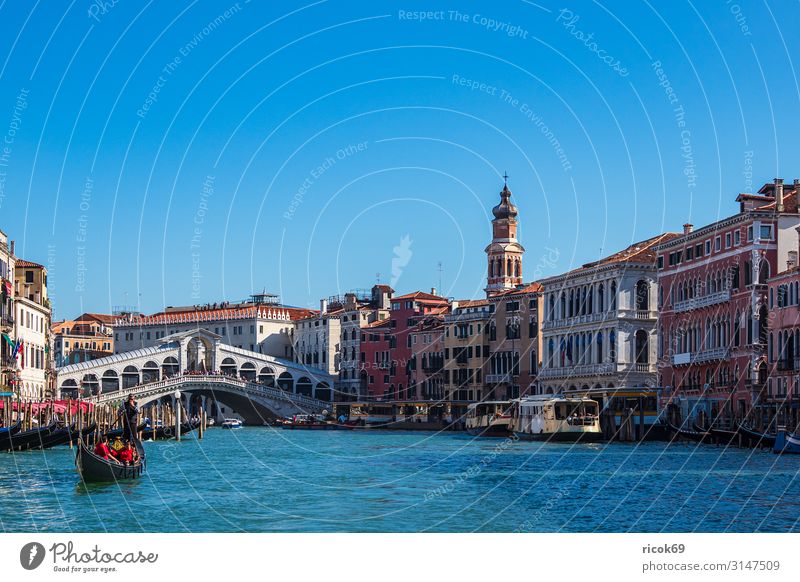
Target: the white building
pixel 32 326
pixel 317 339
pixel 600 322
pixel 260 325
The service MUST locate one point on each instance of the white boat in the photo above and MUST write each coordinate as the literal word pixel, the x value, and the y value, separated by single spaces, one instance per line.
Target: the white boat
pixel 490 418
pixel 556 418
pixel 231 423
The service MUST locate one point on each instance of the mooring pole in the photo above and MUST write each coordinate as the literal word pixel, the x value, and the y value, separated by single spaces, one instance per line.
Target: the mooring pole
pixel 177 415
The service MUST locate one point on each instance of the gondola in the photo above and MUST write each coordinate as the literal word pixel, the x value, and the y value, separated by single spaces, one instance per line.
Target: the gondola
pixel 95 469
pixel 692 435
pixel 167 432
pixel 26 439
pixel 757 439
pixel 11 430
pixel 720 436
pixel 63 436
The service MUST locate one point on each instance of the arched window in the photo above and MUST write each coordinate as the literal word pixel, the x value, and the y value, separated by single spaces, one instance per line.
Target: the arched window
pixel 613 295
pixel 600 298
pixel 612 346
pixel 600 348
pixel 508 267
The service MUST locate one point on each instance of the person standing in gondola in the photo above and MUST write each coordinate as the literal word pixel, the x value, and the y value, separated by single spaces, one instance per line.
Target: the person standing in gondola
pixel 129 416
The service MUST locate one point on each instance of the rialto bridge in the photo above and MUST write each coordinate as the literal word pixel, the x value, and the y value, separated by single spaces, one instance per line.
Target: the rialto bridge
pixel 201 367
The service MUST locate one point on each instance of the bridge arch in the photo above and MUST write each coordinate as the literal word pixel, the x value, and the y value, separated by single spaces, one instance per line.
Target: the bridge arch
pixel 304 387
pixel 286 382
pixel 89 384
pixel 130 377
pixel 169 367
pixel 228 367
pixel 109 381
pixel 150 372
pixel 248 371
pixel 323 392
pixel 199 354
pixel 267 376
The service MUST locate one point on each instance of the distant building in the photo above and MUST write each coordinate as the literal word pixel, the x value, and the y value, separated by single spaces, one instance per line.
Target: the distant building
pixel 600 322
pixel 504 253
pixel 32 329
pixel 8 364
pixel 317 339
pixel 359 310
pixel 427 359
pixel 87 337
pixel 260 324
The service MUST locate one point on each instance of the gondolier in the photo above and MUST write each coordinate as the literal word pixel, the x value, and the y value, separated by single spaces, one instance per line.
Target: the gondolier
pixel 128 415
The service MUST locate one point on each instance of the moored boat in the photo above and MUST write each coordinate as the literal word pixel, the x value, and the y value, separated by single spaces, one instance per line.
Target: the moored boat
pixel 308 422
pixel 490 418
pixel 95 469
pixel 786 443
pixel 556 418
pixel 697 436
pixel 26 439
pixel 757 438
pixel 231 423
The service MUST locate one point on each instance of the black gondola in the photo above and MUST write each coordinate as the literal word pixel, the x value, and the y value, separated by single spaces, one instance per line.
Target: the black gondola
pixel 26 439
pixel 11 430
pixel 696 436
pixel 167 432
pixel 723 436
pixel 95 469
pixel 757 439
pixel 63 436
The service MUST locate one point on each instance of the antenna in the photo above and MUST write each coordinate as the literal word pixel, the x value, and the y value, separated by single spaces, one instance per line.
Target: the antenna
pixel 440 268
pixel 378 278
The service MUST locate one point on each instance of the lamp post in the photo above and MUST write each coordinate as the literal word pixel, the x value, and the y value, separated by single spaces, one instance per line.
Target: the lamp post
pixel 177 395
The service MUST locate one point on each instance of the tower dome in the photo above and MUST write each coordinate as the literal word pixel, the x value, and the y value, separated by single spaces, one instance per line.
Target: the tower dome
pixel 505 209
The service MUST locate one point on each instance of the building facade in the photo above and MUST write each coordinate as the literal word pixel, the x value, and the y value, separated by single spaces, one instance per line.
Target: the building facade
pixel 713 298
pixel 427 359
pixel 359 311
pixel 466 349
pixel 317 339
pixel 88 337
pixel 259 325
pixel 32 330
pixel 600 322
pixel 514 343
pixel 8 364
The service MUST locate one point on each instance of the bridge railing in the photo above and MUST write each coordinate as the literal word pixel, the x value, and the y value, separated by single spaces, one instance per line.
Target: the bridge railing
pixel 181 379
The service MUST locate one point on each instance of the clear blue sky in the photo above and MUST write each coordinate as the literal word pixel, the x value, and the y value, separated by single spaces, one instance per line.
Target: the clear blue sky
pixel 267 105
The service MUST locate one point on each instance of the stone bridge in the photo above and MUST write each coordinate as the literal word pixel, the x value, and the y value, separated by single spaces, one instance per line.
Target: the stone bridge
pixel 198 364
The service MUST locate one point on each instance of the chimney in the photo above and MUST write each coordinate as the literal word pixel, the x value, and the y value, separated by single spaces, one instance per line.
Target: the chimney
pixel 454 304
pixel 687 228
pixel 12 248
pixel 779 194
pixel 433 290
pixel 323 305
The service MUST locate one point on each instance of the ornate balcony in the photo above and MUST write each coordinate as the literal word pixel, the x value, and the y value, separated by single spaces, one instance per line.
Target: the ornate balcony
pixel 704 301
pixel 507 378
pixel 700 357
pixel 580 319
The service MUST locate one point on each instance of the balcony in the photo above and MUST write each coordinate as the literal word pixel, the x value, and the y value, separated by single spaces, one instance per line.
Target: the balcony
pixel 581 370
pixel 507 378
pixel 6 320
pixel 640 314
pixel 704 301
pixel 461 317
pixel 700 357
pixel 580 319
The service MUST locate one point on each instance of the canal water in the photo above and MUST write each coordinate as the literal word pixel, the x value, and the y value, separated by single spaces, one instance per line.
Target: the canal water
pixel 271 480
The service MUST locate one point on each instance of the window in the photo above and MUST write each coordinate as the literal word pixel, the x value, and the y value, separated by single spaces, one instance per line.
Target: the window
pixel 708 247
pixel 717 243
pixel 689 253
pixel 29 276
pixel 727 240
pixel 749 233
pixel 698 251
pixel 661 262
pixel 766 232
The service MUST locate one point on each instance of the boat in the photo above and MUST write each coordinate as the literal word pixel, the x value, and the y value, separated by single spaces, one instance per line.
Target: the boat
pixel 95 469
pixel 556 418
pixel 63 435
pixel 26 439
pixel 786 443
pixel 756 438
pixel 166 432
pixel 615 406
pixel 11 430
pixel 721 436
pixel 490 418
pixel 697 436
pixel 308 422
pixel 231 423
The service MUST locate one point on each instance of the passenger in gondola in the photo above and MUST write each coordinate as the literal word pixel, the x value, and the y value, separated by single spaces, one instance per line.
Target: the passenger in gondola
pixel 102 450
pixel 129 414
pixel 128 455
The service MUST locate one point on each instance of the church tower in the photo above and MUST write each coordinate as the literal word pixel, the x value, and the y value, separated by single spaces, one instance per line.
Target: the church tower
pixel 504 253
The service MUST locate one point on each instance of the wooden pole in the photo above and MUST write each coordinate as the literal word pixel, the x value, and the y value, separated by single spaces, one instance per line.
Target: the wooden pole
pixel 177 419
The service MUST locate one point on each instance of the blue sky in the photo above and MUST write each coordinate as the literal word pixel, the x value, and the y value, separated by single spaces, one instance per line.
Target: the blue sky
pixel 170 153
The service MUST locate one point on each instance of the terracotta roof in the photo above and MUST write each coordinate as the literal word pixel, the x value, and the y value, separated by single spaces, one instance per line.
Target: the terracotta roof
pixel 28 264
pixel 233 312
pixel 420 296
pixel 534 287
pixel 378 323
pixel 101 317
pixel 640 252
pixel 472 303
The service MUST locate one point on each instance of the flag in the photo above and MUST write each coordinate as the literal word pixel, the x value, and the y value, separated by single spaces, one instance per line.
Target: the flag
pixel 9 341
pixel 569 350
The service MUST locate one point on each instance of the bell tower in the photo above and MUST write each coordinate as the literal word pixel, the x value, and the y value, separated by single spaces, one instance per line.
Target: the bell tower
pixel 504 253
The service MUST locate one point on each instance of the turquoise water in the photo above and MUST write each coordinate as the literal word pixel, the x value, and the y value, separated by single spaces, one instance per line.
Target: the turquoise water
pixel 266 480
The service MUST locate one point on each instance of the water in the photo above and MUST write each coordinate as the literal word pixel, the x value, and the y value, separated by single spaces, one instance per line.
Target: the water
pixel 263 480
